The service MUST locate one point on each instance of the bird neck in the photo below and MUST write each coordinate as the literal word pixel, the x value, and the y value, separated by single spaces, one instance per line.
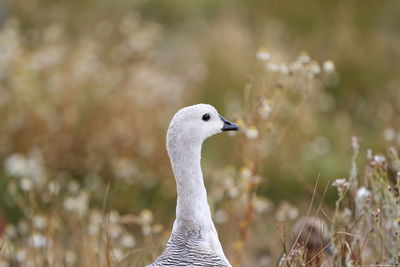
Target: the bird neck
pixel 192 205
pixel 193 216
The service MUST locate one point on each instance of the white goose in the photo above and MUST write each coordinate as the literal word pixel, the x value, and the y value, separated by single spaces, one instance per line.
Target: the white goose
pixel 194 240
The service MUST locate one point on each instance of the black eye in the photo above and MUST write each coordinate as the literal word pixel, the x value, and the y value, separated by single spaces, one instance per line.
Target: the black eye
pixel 206 117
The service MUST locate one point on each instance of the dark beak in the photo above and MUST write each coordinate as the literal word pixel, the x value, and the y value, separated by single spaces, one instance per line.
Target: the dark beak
pixel 228 126
pixel 328 248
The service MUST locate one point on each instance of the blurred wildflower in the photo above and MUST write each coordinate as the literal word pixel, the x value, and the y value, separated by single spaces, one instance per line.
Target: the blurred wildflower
pixel 118 254
pixel 233 192
pixel 113 216
pixel 38 240
pixel 362 198
pixel 370 155
pixel 314 68
pixel 389 134
pixel 78 204
pixel 251 132
pixel 295 66
pixel 21 255
pixel 379 160
pixel 272 65
pixel 342 185
pixel 328 66
pixel 321 146
pixel 145 219
pixel 265 109
pixel 146 216
pixel 115 230
pixel 23 227
pixel 220 216
pixel 245 172
pixel 54 188
pixel 284 69
pixel 228 182
pixel 16 165
pixel 128 241
pixel 263 205
pixel 125 170
pixel 263 54
pixel 363 193
pixel 26 184
pixel 73 187
pixel 70 257
pixel 10 231
pixel 95 220
pixel 345 215
pixel 157 228
pixel 396 224
pixel 265 260
pixel 146 229
pixel 303 58
pixel 39 222
pixel 286 212
pixel 355 144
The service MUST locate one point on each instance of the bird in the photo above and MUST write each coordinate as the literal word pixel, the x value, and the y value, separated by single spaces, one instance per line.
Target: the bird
pixel 194 240
pixel 309 237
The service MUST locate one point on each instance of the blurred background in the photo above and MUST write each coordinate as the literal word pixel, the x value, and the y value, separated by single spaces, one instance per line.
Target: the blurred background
pixel 87 90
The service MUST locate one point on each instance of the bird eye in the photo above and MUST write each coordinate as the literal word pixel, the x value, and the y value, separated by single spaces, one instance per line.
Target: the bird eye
pixel 206 117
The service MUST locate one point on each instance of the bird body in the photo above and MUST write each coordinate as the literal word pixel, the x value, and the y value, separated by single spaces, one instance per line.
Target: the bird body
pixel 194 240
pixel 309 243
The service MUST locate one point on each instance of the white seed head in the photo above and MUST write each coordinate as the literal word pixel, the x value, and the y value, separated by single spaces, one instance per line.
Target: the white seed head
pixel 272 66
pixel 16 165
pixel 251 132
pixel 115 230
pixel 328 66
pixel 379 159
pixel 117 253
pixel 303 58
pixel 245 172
pixel 265 109
pixel 389 134
pixel 283 68
pixel 113 216
pixel 314 68
pixel 146 229
pixel 21 255
pixel 157 228
pixel 39 222
pixel 220 216
pixel 26 184
pixel 38 240
pixel 70 257
pixel 263 54
pixel 340 182
pixel 295 66
pixel 233 192
pixel 128 241
pixel 146 217
pixel 10 231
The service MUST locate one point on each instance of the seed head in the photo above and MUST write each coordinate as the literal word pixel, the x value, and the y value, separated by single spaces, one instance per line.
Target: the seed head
pixel 328 66
pixel 263 54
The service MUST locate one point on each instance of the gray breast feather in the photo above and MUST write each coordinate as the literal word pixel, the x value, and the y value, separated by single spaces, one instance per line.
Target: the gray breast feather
pixel 181 251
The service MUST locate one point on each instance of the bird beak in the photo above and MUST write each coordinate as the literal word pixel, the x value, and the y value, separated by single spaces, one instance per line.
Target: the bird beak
pixel 228 126
pixel 328 248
